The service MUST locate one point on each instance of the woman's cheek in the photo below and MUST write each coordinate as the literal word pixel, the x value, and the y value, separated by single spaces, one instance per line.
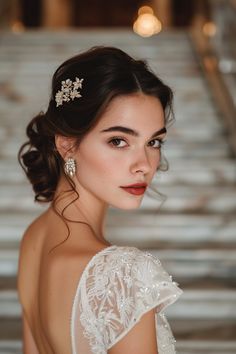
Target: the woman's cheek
pixel 112 156
pixel 102 162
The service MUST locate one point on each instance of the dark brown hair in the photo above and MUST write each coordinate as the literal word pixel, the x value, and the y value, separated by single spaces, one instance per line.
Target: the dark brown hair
pixel 107 72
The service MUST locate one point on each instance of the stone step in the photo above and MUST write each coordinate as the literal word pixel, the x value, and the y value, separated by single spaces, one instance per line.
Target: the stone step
pixel 31 36
pixel 191 199
pixel 197 238
pixel 203 132
pixel 204 329
pixel 11 347
pixel 45 41
pixel 206 347
pixel 9 55
pixel 194 176
pixel 10 52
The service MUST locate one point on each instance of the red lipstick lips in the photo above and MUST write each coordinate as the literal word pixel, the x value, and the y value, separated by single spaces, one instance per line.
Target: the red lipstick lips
pixel 136 189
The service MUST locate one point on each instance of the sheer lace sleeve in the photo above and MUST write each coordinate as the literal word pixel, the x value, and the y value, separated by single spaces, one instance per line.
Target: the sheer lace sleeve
pixel 117 288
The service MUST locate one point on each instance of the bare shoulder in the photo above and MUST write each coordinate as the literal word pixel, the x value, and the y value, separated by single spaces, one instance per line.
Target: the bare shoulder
pixel 29 254
pixel 33 232
pixel 68 262
pixel 77 256
pixel 73 250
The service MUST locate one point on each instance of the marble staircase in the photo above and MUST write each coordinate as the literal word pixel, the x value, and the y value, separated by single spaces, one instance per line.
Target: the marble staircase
pixel 193 232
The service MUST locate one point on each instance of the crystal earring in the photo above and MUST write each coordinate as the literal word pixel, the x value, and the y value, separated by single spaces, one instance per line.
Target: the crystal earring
pixel 70 167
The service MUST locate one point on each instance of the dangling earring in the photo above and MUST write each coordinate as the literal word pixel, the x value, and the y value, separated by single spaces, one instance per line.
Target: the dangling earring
pixel 70 167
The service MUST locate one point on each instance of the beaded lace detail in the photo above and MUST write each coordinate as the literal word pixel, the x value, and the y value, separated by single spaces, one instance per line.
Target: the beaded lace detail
pixel 117 287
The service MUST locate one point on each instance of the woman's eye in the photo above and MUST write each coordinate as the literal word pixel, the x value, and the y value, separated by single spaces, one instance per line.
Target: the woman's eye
pixel 156 143
pixel 117 142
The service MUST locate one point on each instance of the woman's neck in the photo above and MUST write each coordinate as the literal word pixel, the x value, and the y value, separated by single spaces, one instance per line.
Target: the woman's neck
pixel 82 205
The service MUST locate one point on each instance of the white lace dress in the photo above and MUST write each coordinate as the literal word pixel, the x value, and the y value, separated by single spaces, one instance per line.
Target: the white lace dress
pixel 117 286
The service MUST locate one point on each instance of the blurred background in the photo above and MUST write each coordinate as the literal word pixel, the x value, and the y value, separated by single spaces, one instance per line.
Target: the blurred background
pixel 191 45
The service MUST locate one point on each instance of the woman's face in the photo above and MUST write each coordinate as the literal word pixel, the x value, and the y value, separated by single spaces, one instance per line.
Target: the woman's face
pixel 109 158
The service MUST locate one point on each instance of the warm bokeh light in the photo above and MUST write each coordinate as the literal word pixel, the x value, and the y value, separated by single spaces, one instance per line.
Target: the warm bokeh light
pixel 147 25
pixel 209 29
pixel 17 27
pixel 145 10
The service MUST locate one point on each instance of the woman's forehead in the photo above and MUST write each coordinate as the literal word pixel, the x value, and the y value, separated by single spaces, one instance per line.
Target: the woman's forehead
pixel 133 108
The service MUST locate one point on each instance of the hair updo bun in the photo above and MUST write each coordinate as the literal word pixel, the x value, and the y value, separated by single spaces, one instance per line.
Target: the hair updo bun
pixel 107 72
pixel 40 160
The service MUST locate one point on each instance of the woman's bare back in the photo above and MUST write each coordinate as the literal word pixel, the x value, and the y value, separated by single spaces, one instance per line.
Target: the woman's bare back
pixel 47 281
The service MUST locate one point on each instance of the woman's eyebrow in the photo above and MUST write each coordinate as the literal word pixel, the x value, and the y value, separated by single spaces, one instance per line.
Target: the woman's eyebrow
pixel 131 131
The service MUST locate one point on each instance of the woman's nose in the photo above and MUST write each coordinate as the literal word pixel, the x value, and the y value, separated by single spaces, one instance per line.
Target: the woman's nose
pixel 141 163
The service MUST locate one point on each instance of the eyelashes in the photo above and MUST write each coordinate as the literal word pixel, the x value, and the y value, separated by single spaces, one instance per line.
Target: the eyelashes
pixel 160 143
pixel 115 142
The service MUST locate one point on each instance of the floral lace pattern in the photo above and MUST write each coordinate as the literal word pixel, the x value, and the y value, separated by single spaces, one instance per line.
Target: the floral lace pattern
pixel 117 287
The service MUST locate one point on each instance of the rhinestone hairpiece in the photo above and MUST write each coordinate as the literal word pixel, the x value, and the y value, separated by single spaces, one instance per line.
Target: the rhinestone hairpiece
pixel 69 91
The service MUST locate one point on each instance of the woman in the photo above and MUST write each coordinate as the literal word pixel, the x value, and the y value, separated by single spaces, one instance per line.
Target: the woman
pixel 98 144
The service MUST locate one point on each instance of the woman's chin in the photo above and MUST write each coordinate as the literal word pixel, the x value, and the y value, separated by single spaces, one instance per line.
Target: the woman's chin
pixel 128 205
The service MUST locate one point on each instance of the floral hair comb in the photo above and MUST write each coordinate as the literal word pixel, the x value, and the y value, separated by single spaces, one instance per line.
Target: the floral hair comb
pixel 69 91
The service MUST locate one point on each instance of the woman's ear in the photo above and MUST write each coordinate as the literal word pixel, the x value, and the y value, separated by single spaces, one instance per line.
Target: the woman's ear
pixel 65 146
